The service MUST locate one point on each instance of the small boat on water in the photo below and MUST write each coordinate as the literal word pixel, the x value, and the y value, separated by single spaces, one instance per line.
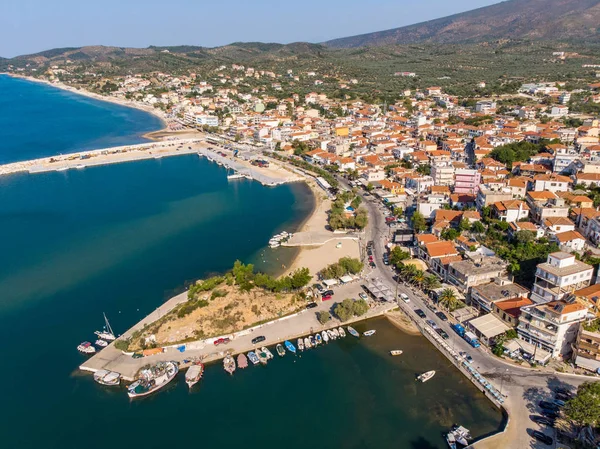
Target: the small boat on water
pixel 331 335
pixel 318 339
pixel 341 332
pixel 335 333
pixel 86 348
pixel 462 435
pixel 105 377
pixel 152 379
pixel 307 343
pixel 253 358
pixel 194 374
pixel 325 336
pixel 289 346
pixel 369 333
pixel 426 376
pixel 280 350
pixel 107 333
pixel 268 353
pixel 300 344
pixel 242 361
pixel 262 356
pixel 451 440
pixel 229 364
pixel 396 352
pixel 313 341
pixel 353 332
pixel 101 343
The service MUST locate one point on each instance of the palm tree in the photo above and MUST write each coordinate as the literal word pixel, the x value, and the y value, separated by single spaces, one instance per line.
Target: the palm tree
pixel 448 298
pixel 418 278
pixel 407 271
pixel 431 282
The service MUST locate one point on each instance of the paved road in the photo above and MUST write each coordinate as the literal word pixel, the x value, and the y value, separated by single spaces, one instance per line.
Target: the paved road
pixel 523 387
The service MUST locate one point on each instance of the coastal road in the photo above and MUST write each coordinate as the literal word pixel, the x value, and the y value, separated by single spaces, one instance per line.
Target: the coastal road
pixel 523 387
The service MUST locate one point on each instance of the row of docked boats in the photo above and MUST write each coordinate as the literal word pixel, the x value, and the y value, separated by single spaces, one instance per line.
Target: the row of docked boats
pixel 278 239
pixel 459 435
pixel 103 339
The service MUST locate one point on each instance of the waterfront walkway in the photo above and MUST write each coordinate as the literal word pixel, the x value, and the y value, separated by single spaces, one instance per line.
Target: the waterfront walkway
pixel 317 238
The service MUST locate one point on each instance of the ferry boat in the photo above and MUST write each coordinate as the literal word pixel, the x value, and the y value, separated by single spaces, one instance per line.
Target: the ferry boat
pixel 229 364
pixel 300 344
pixel 289 346
pixel 253 358
pixel 262 356
pixel 152 379
pixel 325 336
pixel 341 332
pixel 106 334
pixel 268 353
pixel 280 350
pixel 86 348
pixel 307 343
pixel 194 374
pixel 369 333
pixel 101 343
pixel 242 361
pixel 105 377
pixel 426 376
pixel 318 339
pixel 353 332
pixel 396 352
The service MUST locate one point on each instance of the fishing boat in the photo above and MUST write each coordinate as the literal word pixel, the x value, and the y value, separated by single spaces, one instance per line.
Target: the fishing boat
pixel 105 377
pixel 242 361
pixel 313 341
pixel 325 336
pixel 280 350
pixel 106 334
pixel 262 357
pixel 300 344
pixel 318 339
pixel 426 376
pixel 253 358
pixel 353 332
pixel 341 332
pixel 307 343
pixel 289 346
pixel 86 348
pixel 229 364
pixel 101 343
pixel 268 353
pixel 194 374
pixel 396 352
pixel 369 333
pixel 451 440
pixel 152 379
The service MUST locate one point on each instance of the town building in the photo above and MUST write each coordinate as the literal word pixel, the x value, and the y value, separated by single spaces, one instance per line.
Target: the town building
pixel 559 277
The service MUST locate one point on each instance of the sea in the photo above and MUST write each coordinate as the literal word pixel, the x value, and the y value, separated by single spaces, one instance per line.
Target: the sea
pixel 121 239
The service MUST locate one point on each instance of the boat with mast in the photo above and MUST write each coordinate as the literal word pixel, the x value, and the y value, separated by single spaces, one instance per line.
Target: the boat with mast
pixel 194 374
pixel 153 378
pixel 106 334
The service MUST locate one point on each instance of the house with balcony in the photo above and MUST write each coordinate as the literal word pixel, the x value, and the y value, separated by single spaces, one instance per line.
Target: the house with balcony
pixel 586 353
pixel 544 205
pixel 475 271
pixel 559 277
pixel 510 211
pixel 551 326
pixel 484 296
pixel 466 180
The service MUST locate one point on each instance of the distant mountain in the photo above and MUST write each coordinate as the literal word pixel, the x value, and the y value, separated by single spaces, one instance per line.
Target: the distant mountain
pixel 556 20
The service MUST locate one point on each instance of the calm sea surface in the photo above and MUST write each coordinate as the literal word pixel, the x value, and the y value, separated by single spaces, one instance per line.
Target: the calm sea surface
pixel 121 239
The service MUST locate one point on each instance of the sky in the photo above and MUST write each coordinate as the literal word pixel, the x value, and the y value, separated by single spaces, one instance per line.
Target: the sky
pixel 30 26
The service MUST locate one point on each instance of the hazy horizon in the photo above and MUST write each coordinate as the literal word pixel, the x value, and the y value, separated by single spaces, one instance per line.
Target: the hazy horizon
pixel 32 26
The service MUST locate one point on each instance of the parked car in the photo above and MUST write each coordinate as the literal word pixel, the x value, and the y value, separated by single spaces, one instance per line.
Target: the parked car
pixel 563 397
pixel 319 287
pixel 404 297
pixel 327 293
pixel 420 313
pixel 326 298
pixel 311 305
pixel 258 339
pixel 542 420
pixel 372 265
pixel 223 341
pixel 441 315
pixel 442 333
pixel 432 324
pixel 561 390
pixel 542 437
pixel 552 414
pixel 363 296
pixel 548 405
pixel 559 403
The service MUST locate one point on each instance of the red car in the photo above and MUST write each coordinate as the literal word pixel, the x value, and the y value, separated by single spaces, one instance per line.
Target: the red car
pixel 326 298
pixel 223 341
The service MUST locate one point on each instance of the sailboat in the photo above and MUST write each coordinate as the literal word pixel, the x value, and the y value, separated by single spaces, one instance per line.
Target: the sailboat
pixel 107 334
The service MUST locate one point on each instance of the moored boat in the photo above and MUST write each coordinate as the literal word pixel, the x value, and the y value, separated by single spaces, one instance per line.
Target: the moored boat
pixel 353 332
pixel 341 332
pixel 105 377
pixel 300 344
pixel 253 358
pixel 268 353
pixel 107 333
pixel 313 341
pixel 396 352
pixel 280 350
pixel 152 379
pixel 86 348
pixel 290 347
pixel 194 374
pixel 101 343
pixel 426 376
pixel 331 335
pixel 369 333
pixel 229 364
pixel 307 343
pixel 335 333
pixel 242 361
pixel 318 339
pixel 262 356
pixel 325 336
pixel 461 434
pixel 451 440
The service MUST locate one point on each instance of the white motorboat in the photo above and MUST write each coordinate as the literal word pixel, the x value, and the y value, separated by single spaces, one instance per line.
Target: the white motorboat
pixel 101 343
pixel 307 343
pixel 152 379
pixel 268 353
pixel 105 377
pixel 396 352
pixel 462 435
pixel 426 376
pixel 341 332
pixel 300 344
pixel 194 374
pixel 331 335
pixel 86 348
pixel 335 333
pixel 325 336
pixel 451 440
pixel 369 333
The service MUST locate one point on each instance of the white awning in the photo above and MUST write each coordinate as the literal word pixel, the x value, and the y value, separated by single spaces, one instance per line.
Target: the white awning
pixel 489 326
pixel 346 279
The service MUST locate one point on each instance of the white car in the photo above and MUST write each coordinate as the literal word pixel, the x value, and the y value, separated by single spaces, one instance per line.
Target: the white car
pixel 404 297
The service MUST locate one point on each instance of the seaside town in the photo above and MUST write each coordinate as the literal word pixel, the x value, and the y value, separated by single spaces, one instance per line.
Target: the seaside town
pixel 488 208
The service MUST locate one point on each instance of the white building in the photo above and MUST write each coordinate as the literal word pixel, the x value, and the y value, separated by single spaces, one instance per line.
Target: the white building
pixel 442 175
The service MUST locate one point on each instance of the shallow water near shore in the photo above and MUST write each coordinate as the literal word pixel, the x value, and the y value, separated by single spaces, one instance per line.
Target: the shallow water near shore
pixel 37 120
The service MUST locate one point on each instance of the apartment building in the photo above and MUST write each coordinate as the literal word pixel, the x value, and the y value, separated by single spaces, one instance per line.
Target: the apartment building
pixel 560 276
pixel 442 175
pixel 587 349
pixel 543 205
pixel 484 296
pixel 466 180
pixel 472 272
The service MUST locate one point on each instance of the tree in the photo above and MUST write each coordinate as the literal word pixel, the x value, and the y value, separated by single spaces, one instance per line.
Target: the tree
pixel 356 202
pixel 448 298
pixel 398 255
pixel 418 222
pixel 323 317
pixel 370 187
pixel 478 227
pixel 344 310
pixel 431 282
pixel 450 234
pixel 424 170
pixel 351 265
pixel 524 236
pixel 360 307
pixel 584 408
pixel 300 278
pixel 362 219
pixel 464 225
pixel 398 212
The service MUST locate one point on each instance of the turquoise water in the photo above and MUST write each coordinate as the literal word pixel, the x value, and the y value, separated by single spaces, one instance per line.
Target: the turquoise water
pixel 123 238
pixel 37 120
